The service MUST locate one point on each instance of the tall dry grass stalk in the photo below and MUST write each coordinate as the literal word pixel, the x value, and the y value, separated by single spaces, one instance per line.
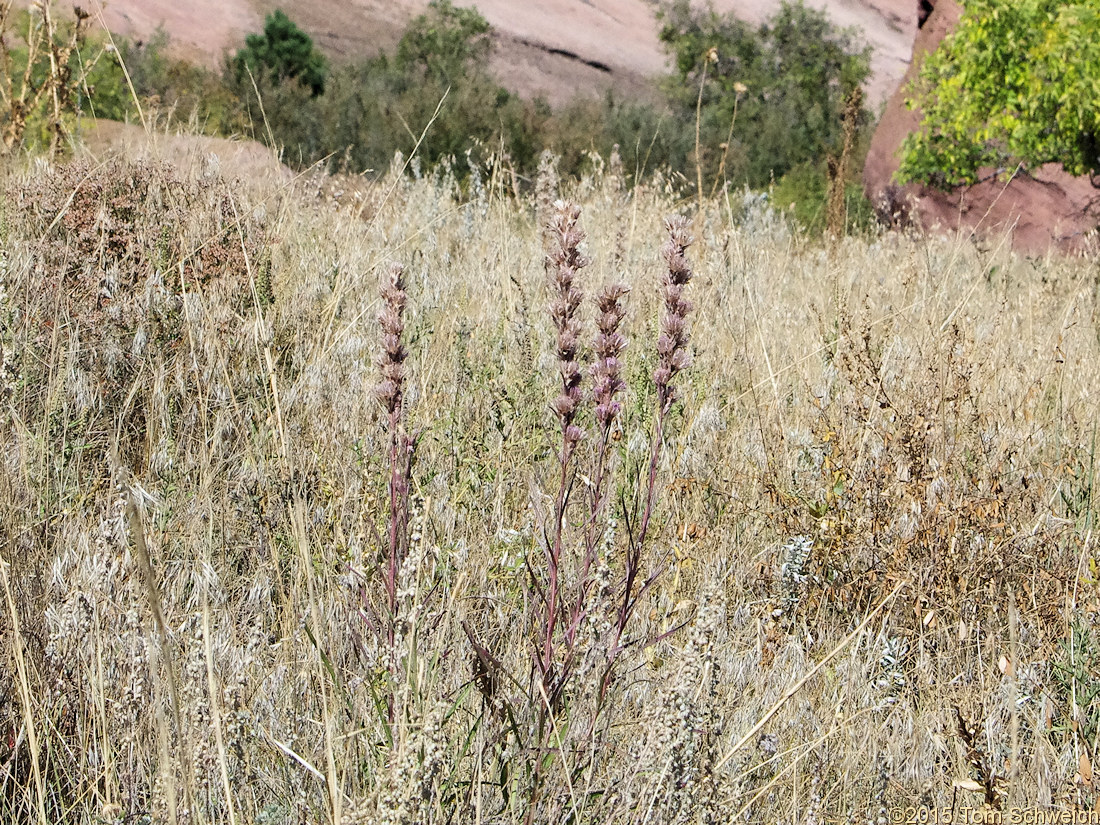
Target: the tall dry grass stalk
pixel 837 167
pixel 868 503
pixel 46 85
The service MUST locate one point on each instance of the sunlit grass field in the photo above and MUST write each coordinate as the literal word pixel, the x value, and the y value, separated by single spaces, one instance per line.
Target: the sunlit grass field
pixel 862 578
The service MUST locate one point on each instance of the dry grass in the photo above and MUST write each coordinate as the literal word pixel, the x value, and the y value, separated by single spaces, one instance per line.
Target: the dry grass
pixel 873 572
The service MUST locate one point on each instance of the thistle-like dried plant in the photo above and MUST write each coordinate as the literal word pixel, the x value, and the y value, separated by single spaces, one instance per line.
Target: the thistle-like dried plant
pixel 565 261
pixel 391 392
pixel 672 343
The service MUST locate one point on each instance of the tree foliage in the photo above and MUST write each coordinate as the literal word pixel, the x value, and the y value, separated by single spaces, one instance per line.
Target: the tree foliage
pixel 178 88
pixel 444 42
pixel 1016 84
pixel 768 99
pixel 374 107
pixel 283 52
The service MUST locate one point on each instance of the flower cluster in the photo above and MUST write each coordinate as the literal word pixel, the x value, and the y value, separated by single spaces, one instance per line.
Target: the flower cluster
pixel 672 344
pixel 391 363
pixel 607 371
pixel 565 261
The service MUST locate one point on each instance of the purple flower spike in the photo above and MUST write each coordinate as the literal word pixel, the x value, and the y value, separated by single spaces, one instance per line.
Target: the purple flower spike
pixel 391 361
pixel 608 346
pixel 563 263
pixel 673 355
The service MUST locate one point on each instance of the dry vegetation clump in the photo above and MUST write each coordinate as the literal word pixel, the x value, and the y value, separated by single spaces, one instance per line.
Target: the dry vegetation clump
pixel 120 249
pixel 752 530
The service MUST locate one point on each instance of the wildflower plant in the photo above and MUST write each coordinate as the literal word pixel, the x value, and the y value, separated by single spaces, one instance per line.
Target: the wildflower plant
pixel 607 384
pixel 391 393
pixel 580 552
pixel 584 596
pixel 673 358
pixel 565 262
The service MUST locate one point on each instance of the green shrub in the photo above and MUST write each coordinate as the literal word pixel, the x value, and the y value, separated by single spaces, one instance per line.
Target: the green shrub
pixel 648 137
pixel 191 92
pixel 102 90
pixel 767 99
pixel 804 190
pixel 371 109
pixel 444 43
pixel 1016 83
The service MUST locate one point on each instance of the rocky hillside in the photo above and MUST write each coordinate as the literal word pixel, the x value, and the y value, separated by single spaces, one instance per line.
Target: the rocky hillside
pixel 554 48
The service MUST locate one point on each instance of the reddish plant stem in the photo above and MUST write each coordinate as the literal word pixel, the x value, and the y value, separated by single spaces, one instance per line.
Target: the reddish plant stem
pixel 591 540
pixel 553 561
pixel 397 505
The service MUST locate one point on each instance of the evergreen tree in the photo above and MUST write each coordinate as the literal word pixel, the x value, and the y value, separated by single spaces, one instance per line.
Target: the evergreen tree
pixel 283 52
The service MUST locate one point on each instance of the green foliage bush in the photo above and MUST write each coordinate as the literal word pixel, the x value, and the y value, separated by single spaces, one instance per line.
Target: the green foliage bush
pixel 444 43
pixel 649 137
pixel 373 108
pixel 804 192
pixel 190 92
pixel 768 99
pixel 1018 82
pixel 102 90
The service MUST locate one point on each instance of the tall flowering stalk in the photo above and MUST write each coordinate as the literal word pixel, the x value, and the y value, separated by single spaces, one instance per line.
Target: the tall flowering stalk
pixel 672 357
pixel 564 262
pixel 607 379
pixel 391 392
pixel 607 383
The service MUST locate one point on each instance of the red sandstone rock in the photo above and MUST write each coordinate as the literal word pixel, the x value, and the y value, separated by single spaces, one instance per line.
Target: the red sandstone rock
pixel 1047 208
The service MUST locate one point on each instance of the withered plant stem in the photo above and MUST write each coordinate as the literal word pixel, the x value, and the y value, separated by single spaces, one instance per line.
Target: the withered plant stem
pixel 673 357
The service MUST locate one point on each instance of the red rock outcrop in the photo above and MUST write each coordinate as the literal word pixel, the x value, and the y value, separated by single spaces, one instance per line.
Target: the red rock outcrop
pixel 1044 209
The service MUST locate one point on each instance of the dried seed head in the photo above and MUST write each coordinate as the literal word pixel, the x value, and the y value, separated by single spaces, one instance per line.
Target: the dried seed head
pixel 672 342
pixel 563 263
pixel 391 359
